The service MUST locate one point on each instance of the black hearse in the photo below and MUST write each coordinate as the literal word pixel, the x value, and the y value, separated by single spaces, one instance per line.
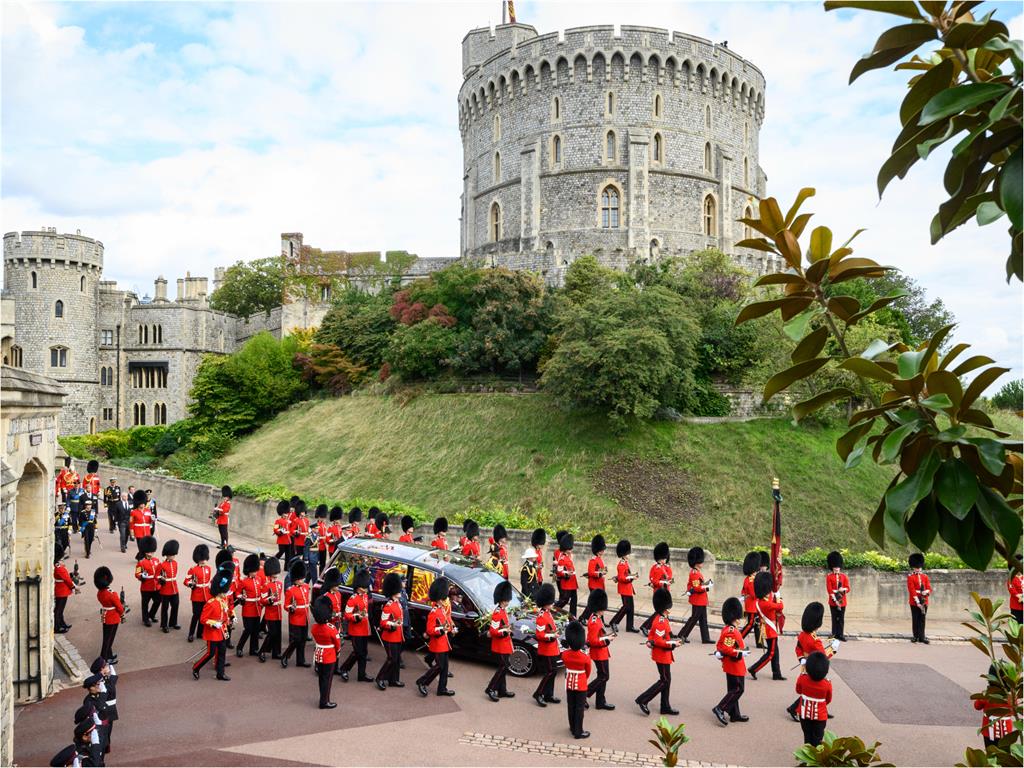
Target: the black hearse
pixel 472 594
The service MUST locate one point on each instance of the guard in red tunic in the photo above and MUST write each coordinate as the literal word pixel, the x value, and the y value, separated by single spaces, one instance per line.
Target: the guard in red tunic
pixel 296 604
pixel 145 571
pixel 112 611
pixel 439 631
pixel 577 671
pixel 335 531
pixel 167 577
pixel 318 544
pixel 221 514
pixel 440 540
pixel 596 570
pixel 327 644
pixel 216 620
pixel 391 633
pixel 733 653
pixel 250 594
pixel 408 529
pixel 65 480
pixel 659 577
pixel 996 717
pixel 659 638
pixel 329 583
pixel 624 578
pixel 198 581
pixel 272 600
pixel 547 646
pixel 91 482
pixel 378 525
pixel 499 549
pixel 768 606
pixel 471 542
pixel 751 565
pixel 63 587
pixel 357 618
pixel 299 530
pixel 500 632
pixel 919 588
pixel 355 516
pixel 1015 586
pixel 815 695
pixel 598 640
pixel 808 642
pixel 697 588
pixel 837 585
pixel 139 522
pixel 538 539
pixel 282 532
pixel 565 573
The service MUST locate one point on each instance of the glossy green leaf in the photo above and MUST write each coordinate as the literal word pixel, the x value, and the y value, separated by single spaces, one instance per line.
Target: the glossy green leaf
pixel 945 383
pixel 757 244
pixel 780 278
pixel 853 459
pixel 851 437
pixel 956 487
pixel 977 543
pixel 1000 516
pixel 770 214
pixel 980 383
pixel 809 406
pixel 989 212
pixel 923 524
pixel 934 343
pixel 972 363
pixel 875 348
pixel 960 99
pixel 1010 194
pixel 911 489
pixel 794 373
pixel 952 434
pixel 876 305
pixel 991 453
pixel 801 197
pixel 909 364
pixel 794 307
pixel 939 402
pixel 882 59
pixel 866 368
pixel 843 307
pixel 930 83
pixel 810 345
pixel 796 328
pixel 759 309
pixel 894 440
pixel 821 244
pixel 953 354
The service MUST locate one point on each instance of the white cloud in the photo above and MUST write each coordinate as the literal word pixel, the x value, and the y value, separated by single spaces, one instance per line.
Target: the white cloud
pixel 188 136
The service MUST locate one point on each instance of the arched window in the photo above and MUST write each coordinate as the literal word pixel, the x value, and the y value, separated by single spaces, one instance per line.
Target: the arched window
pixel 710 219
pixel 549 251
pixel 707 117
pixel 556 108
pixel 747 231
pixel 16 356
pixel 610 208
pixel 35 281
pixel 746 132
pixel 497 167
pixel 657 105
pixel 58 309
pixel 654 250
pixel 609 104
pixel 556 151
pixel 139 411
pixel 746 172
pixel 92 424
pixel 81 286
pixel 495 222
pixel 707 157
pixel 58 357
pixel 609 147
pixel 497 128
pixel 103 377
pixel 140 334
pixel 159 413
pixel 658 148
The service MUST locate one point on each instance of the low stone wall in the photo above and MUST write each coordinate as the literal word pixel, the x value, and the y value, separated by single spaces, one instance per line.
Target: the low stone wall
pixel 874 594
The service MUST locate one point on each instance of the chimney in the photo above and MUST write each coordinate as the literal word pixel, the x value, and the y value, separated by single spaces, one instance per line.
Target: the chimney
pixel 160 289
pixel 181 290
pixel 218 277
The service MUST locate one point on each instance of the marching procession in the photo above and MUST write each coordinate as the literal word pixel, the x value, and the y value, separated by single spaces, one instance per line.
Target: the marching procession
pixel 325 594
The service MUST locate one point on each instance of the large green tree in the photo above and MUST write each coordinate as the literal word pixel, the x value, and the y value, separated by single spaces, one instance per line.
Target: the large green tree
pixel 251 287
pixel 359 324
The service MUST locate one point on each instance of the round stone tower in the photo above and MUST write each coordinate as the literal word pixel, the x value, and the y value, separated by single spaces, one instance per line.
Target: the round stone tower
pixel 631 143
pixel 53 279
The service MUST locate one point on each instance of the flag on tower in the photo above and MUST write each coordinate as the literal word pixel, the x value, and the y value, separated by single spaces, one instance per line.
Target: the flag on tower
pixel 511 11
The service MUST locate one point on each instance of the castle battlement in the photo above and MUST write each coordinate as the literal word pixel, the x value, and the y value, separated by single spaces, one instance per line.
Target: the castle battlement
pixel 46 245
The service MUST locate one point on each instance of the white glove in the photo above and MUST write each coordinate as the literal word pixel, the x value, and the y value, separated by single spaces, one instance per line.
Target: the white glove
pixel 745 652
pixel 718 655
pixel 803 662
pixel 835 645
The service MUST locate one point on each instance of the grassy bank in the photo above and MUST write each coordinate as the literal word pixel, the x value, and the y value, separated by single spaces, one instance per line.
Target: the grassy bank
pixel 691 484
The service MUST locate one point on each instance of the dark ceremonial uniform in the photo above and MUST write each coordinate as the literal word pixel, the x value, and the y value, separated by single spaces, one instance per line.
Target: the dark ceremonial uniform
pixel 63 588
pixel 568 587
pixel 392 635
pixel 327 644
pixel 167 576
pixel 501 646
pixel 577 671
pixel 626 590
pixel 767 608
pixel 697 589
pixel 111 611
pixel 919 588
pixel 215 618
pixel 198 581
pixel 838 587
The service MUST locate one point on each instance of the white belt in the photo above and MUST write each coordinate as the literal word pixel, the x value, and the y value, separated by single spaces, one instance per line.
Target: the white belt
pixel 324 647
pixel 202 586
pixel 810 698
pixel 112 703
pixel 104 608
pixel 251 599
pixel 297 607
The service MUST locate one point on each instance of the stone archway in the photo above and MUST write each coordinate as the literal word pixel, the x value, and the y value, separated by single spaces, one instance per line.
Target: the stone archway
pixel 31 507
pixel 33 558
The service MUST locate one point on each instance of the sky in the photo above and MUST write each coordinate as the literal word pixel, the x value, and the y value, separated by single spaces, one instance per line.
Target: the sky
pixel 190 135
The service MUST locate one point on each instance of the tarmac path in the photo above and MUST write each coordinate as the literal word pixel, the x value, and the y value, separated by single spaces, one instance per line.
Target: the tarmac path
pixel 914 699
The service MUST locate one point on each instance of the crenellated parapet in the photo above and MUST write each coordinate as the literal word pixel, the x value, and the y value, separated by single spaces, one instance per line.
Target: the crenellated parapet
pixel 49 247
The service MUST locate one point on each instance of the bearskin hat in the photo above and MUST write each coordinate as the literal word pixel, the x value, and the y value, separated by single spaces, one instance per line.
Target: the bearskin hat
pixel 147 545
pixel 297 570
pixel 695 556
pixel 336 513
pixel 355 515
pixel 139 499
pixel 300 507
pixel 438 589
pixel 597 600
pixel 472 529
pixel 272 567
pixel 225 491
pixel 762 584
pixel 441 525
pixel 92 466
pixel 200 553
pixel 330 579
pixel 597 545
pixel 732 609
pixel 558 536
pixel 321 510
pixel 662 600
pixel 361 579
pixel 834 559
pixel 67 461
pixel 538 538
pixel 544 596
pixel 575 635
pixel 58 552
pixel 916 560
pixel 293 500
pixel 502 592
pixel 661 551
pixel 623 548
pixel 221 581
pixel 170 548
pixel 251 564
pixel 499 533
pixel 407 523
pixel 102 577
pixel 222 556
pixel 283 507
pixel 751 563
pixel 381 521
pixel 817 666
pixel 392 584
pixel 814 615
pixel 322 609
pixel 566 542
pixel 766 560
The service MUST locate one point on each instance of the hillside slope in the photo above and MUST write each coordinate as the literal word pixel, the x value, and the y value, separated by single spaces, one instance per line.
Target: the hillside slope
pixel 691 484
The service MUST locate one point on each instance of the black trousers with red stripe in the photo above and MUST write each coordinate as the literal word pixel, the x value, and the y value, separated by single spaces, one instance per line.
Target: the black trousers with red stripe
pixel 195 627
pixel 599 684
pixel 497 683
pixel 626 610
pixel 663 686
pixel 576 703
pixel 771 654
pixel 325 676
pixel 753 624
pixel 107 648
pixel 730 703
pixel 214 650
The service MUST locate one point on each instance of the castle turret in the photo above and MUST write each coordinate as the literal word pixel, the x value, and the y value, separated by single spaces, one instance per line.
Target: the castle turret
pixel 160 289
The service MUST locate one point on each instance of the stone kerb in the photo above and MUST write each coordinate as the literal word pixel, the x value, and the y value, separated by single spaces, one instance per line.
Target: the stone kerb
pixel 876 595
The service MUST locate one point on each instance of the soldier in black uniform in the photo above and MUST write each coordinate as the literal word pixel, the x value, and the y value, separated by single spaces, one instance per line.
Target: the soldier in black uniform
pixel 95 698
pixel 61 527
pixel 112 495
pixel 108 672
pixel 87 524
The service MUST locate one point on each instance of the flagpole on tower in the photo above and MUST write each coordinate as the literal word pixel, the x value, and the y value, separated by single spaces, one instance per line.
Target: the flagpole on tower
pixel 504 8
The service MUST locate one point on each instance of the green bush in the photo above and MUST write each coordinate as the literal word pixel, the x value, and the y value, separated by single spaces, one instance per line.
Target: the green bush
pixel 360 325
pixel 1010 396
pixel 114 443
pixel 137 461
pixel 143 439
pixel 876 560
pixel 421 351
pixel 704 400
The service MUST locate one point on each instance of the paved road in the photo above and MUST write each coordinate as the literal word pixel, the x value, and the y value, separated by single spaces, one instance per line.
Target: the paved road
pixel 914 699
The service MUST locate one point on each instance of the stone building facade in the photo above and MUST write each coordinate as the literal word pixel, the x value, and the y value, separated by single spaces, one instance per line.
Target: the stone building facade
pixel 627 143
pixel 29 425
